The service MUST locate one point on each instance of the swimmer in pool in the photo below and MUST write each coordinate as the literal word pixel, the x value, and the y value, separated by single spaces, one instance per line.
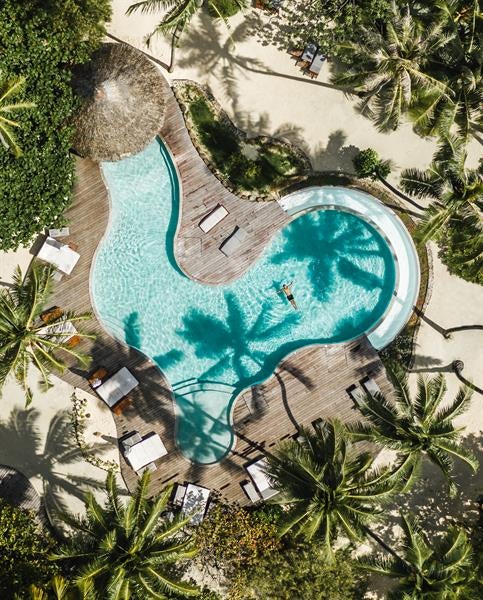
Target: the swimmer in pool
pixel 285 289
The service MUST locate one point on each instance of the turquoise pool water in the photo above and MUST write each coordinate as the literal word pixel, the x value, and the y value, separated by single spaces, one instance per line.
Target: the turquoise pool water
pixel 212 341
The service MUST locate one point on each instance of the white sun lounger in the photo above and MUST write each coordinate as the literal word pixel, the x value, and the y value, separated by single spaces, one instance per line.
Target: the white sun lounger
pixel 233 242
pixel 117 386
pixel 145 452
pixel 251 492
pixel 59 255
pixel 260 479
pixel 370 386
pixel 63 331
pixel 213 218
pixel 195 501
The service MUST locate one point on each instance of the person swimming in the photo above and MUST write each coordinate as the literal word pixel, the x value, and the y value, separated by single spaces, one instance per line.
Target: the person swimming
pixel 286 289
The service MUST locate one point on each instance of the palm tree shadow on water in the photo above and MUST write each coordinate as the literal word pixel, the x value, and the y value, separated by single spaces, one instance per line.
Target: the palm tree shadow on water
pixel 22 448
pixel 333 244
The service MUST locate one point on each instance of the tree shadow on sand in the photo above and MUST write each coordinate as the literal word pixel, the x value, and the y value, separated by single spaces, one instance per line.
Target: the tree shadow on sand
pixel 22 448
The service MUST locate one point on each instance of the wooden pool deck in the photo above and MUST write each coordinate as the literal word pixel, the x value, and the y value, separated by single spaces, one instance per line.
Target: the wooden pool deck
pixel 308 385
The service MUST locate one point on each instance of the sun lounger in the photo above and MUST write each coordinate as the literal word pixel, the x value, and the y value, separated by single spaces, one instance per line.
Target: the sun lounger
pixel 179 495
pixel 356 394
pixel 256 470
pixel 309 52
pixel 213 218
pixel 144 452
pixel 58 254
pixel 117 386
pixel 151 467
pixel 233 242
pixel 195 501
pixel 60 232
pixel 131 440
pixel 250 492
pixel 370 386
pixel 316 64
pixel 61 332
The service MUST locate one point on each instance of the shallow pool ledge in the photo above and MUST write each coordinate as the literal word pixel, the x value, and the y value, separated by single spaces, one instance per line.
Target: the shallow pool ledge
pixel 395 233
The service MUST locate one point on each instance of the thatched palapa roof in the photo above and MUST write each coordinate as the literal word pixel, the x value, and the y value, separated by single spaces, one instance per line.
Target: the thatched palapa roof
pixel 123 103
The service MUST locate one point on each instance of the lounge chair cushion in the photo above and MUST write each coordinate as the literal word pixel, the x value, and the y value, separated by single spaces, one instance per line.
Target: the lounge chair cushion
pixel 233 242
pixel 213 218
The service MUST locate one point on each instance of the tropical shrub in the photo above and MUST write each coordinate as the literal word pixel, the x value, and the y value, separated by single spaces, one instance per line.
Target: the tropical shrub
pixel 231 539
pixel 41 41
pixel 24 551
pixel 301 572
pixel 367 163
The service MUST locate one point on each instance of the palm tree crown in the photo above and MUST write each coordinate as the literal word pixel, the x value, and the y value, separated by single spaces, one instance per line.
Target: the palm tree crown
pixel 128 550
pixel 416 427
pixel 424 572
pixel 327 485
pixel 387 67
pixel 24 338
pixel 456 191
pixel 8 89
pixel 458 64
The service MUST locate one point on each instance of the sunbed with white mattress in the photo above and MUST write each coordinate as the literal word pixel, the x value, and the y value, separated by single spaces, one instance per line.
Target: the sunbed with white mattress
pixel 59 255
pixel 195 501
pixel 256 470
pixel 117 386
pixel 145 452
pixel 213 218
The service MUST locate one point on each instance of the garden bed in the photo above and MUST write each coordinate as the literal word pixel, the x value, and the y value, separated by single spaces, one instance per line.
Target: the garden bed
pixel 257 168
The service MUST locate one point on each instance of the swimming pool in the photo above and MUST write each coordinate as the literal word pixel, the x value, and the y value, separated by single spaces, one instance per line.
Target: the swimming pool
pixel 213 341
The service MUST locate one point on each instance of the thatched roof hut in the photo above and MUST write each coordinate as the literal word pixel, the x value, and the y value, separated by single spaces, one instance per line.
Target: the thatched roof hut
pixel 123 103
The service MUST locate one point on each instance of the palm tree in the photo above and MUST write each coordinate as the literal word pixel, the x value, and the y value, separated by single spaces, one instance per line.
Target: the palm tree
pixel 458 64
pixel 387 67
pixel 456 191
pixel 8 89
pixel 423 572
pixel 58 589
pixel 328 487
pixel 128 550
pixel 178 17
pixel 24 338
pixel 417 427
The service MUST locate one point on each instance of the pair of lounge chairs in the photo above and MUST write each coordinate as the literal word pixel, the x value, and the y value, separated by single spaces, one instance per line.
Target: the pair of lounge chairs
pixel 367 387
pixel 141 453
pixel 192 499
pixel 62 256
pixel 234 240
pixel 113 389
pixel 260 486
pixel 64 331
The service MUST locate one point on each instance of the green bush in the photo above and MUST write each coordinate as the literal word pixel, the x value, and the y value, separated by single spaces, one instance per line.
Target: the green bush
pixel 24 551
pixel 226 8
pixel 41 41
pixel 367 163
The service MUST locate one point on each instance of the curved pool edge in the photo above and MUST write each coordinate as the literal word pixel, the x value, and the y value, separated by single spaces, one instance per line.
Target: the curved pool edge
pixel 390 226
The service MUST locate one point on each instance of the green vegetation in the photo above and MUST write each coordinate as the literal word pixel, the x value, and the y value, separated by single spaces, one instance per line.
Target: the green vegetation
pixel 24 549
pixel 24 340
pixel 41 41
pixel 252 165
pixel 425 570
pixel 9 88
pixel 303 571
pixel 461 249
pixel 128 550
pixel 226 8
pixel 456 191
pixel 328 487
pixel 368 163
pixel 416 427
